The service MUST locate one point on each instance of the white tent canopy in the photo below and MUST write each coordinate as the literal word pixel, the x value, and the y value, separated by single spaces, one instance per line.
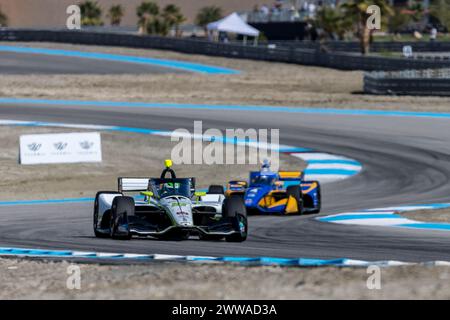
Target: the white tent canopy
pixel 233 24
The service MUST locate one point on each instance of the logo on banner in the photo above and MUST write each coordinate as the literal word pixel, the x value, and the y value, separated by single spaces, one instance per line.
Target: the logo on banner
pixel 60 146
pixel 86 145
pixel 34 147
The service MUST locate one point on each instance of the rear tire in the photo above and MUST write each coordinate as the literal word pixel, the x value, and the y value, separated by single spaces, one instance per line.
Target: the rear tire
pixel 122 208
pixel 216 189
pixel 97 233
pixel 296 192
pixel 234 209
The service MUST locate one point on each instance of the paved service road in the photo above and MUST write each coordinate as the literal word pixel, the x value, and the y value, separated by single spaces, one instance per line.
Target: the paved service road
pixel 26 63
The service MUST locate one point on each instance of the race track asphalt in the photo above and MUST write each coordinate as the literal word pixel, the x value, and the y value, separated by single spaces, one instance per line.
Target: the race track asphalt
pixel 406 161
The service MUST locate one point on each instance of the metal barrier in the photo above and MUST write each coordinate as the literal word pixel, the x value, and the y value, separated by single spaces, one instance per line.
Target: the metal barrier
pixel 382 46
pixel 409 82
pixel 314 57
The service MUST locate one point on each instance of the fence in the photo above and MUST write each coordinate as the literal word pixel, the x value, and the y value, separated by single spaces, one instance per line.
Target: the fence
pixel 382 46
pixel 289 54
pixel 409 82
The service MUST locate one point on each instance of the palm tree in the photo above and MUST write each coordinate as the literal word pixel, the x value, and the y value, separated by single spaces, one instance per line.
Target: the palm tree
pixel 149 21
pixel 91 13
pixel 207 15
pixel 398 21
pixel 3 19
pixel 333 22
pixel 115 14
pixel 173 17
pixel 357 11
pixel 418 11
pixel 440 9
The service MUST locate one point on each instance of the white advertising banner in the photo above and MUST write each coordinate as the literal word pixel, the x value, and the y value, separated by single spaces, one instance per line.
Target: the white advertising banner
pixel 60 148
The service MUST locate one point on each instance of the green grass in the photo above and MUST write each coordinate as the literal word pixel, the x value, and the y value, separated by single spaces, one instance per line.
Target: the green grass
pixel 410 37
pixel 387 54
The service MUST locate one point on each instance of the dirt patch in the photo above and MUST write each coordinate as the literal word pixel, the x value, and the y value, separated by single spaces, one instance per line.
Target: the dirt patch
pixel 260 83
pixel 131 155
pixel 23 279
pixel 442 215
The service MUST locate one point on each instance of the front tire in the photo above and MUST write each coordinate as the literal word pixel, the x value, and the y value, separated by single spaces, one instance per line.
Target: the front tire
pixel 97 233
pixel 122 208
pixel 234 209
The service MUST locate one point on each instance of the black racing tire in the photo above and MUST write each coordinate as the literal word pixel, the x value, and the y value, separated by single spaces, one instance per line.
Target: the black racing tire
pixel 233 205
pixel 97 233
pixel 235 210
pixel 240 195
pixel 296 192
pixel 122 208
pixel 216 189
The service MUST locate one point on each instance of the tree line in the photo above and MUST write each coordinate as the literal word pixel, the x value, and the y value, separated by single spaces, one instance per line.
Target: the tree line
pixel 152 19
pixel 349 19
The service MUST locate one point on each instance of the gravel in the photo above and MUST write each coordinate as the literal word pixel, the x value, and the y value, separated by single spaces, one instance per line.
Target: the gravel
pixel 442 215
pixel 31 279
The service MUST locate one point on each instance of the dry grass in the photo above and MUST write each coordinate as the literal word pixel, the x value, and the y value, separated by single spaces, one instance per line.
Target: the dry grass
pixel 442 215
pixel 21 279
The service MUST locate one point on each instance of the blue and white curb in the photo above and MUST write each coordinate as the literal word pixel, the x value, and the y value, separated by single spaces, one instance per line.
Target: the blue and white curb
pixel 40 202
pixel 172 64
pixel 245 261
pixel 388 217
pixel 326 167
pixel 322 167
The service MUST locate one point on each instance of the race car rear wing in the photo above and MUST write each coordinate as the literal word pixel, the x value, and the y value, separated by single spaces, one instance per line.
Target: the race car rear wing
pixel 133 184
pixel 291 175
pixel 237 185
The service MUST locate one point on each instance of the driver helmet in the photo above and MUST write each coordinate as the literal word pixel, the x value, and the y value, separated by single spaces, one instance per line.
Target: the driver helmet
pixel 166 187
pixel 265 165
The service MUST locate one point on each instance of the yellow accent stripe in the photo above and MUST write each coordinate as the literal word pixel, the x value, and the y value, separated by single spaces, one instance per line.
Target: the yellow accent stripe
pixel 278 203
pixel 312 186
pixel 292 205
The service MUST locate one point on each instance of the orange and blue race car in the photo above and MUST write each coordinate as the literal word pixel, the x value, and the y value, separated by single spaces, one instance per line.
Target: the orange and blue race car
pixel 283 192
